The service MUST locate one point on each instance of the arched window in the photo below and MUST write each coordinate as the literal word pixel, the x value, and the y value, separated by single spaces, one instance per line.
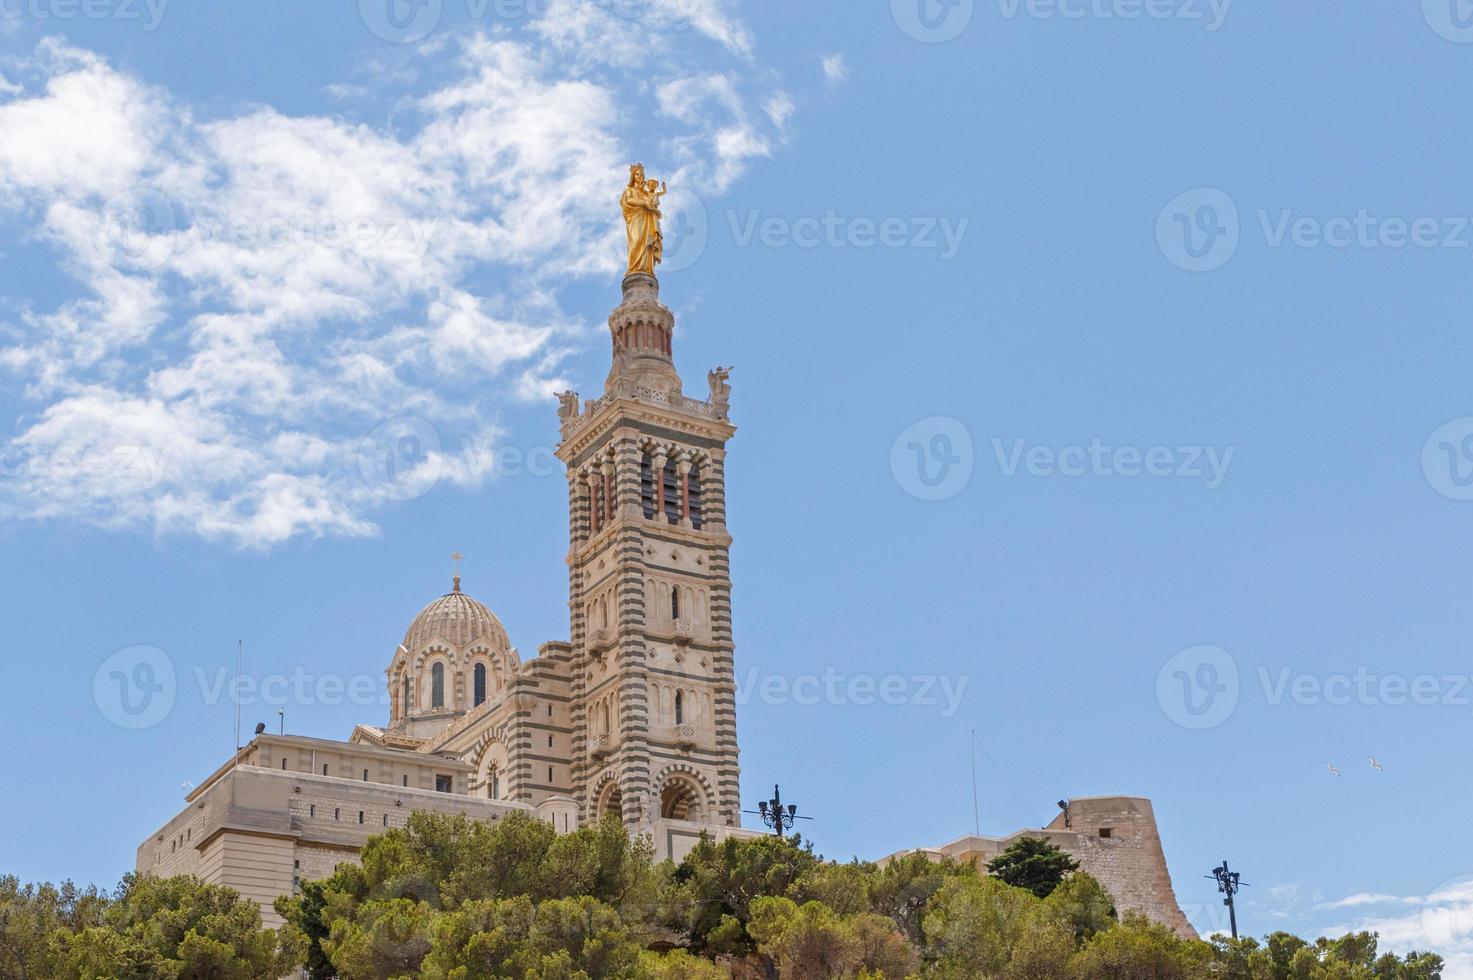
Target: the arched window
pixel 674 602
pixel 493 783
pixel 604 726
pixel 480 684
pixel 679 708
pixel 404 699
pixel 437 686
pixel 646 484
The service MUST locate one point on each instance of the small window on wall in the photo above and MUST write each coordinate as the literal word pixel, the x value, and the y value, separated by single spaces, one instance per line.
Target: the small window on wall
pixel 324 769
pixel 437 686
pixel 679 708
pixel 442 784
pixel 480 684
pixel 405 780
pixel 365 775
pixel 674 602
pixel 386 820
pixel 283 762
pixel 1107 832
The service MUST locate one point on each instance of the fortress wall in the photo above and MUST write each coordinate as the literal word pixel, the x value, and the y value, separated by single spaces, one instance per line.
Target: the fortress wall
pixel 1114 839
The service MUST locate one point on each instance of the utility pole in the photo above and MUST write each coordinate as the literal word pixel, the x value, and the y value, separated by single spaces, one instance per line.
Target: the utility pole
pixel 1228 884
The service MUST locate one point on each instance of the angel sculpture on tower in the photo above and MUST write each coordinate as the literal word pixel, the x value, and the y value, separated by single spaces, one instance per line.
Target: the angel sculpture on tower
pixel 641 205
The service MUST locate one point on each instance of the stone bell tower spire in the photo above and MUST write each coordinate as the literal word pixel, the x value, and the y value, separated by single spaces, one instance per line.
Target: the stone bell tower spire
pixel 649 587
pixel 643 331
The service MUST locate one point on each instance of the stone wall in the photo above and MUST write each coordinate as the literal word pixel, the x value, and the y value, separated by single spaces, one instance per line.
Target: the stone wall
pixel 1114 839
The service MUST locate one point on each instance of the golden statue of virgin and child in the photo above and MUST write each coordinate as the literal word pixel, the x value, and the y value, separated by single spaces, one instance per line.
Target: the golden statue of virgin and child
pixel 641 205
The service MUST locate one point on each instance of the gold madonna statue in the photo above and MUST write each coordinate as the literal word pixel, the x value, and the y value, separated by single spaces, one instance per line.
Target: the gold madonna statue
pixel 641 205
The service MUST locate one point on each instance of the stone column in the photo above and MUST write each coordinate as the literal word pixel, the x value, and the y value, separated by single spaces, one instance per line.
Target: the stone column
pixel 657 465
pixel 608 471
pixel 682 476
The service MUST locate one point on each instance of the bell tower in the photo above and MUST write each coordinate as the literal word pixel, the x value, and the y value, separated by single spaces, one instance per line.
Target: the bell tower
pixel 649 589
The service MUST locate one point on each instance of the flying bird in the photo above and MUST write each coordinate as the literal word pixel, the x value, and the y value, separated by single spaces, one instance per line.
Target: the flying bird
pixel 1331 767
pixel 1374 764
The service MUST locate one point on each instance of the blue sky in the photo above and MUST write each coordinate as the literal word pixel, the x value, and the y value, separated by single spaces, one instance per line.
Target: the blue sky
pixel 1103 364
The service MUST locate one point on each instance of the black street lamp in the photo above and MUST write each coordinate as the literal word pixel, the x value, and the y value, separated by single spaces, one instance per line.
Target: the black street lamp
pixel 1228 884
pixel 775 815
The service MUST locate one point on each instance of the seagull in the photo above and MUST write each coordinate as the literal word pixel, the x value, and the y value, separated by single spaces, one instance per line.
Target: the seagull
pixel 1374 764
pixel 1331 767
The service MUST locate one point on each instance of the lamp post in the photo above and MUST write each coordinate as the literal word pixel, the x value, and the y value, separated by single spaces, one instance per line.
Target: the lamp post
pixel 775 815
pixel 1228 884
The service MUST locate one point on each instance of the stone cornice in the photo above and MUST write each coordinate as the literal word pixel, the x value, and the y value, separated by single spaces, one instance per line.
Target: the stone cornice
pixel 609 413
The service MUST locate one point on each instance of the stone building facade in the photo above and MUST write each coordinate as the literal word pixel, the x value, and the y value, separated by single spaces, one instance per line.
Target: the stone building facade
pixel 634 715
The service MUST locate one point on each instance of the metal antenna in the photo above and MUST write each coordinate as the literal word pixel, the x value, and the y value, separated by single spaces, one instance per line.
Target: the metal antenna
pixel 235 688
pixel 976 810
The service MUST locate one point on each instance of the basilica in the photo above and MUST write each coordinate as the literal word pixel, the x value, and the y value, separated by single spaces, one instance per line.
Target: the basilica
pixel 633 716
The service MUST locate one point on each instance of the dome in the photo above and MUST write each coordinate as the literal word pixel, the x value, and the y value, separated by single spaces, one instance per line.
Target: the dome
pixel 457 620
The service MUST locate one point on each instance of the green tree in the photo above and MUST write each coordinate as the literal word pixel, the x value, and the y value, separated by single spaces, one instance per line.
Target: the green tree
pixel 1138 949
pixel 1083 903
pixel 677 964
pixel 903 888
pixel 385 938
pixel 1033 863
pixel 717 883
pixel 812 940
pixel 32 917
pixel 974 925
pixel 559 938
pixel 179 928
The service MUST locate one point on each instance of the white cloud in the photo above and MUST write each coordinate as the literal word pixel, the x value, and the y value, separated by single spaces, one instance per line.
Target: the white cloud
pixel 835 71
pixel 1440 922
pixel 261 291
